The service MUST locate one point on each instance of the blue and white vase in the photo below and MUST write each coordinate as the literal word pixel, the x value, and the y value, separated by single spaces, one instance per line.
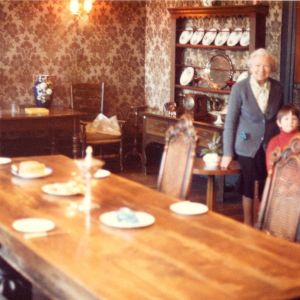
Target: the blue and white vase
pixel 43 91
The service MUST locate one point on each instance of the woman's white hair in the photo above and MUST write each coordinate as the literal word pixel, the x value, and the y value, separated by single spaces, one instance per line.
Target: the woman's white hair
pixel 261 52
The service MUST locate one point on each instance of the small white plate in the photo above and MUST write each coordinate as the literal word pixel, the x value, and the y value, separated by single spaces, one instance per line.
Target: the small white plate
pixel 245 38
pixel 187 75
pixel 186 35
pixel 209 36
pixel 102 173
pixel 197 36
pixel 222 37
pixel 188 208
pixel 30 225
pixel 110 219
pixel 234 37
pixel 5 160
pixel 62 189
pixel 48 171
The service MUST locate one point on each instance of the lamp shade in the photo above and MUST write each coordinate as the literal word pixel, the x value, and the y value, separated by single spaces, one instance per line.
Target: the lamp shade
pixel 87 5
pixel 74 6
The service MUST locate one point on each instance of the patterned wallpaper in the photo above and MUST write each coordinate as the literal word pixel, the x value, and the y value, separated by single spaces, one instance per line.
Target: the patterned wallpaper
pixel 124 43
pixel 158 38
pixel 42 37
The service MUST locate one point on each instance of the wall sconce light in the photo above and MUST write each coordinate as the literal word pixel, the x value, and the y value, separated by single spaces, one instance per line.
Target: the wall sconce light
pixel 78 7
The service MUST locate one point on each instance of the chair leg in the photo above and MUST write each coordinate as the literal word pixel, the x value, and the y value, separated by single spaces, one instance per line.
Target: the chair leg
pixel 121 156
pixel 82 151
pixel 256 201
pixel 83 148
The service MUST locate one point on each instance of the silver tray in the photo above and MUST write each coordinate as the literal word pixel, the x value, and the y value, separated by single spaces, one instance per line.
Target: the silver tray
pixel 220 70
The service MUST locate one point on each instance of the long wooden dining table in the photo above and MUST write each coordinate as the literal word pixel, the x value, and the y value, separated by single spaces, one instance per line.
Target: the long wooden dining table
pixel 207 256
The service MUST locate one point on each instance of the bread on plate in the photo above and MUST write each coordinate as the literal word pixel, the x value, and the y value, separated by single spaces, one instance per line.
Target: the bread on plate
pixel 32 168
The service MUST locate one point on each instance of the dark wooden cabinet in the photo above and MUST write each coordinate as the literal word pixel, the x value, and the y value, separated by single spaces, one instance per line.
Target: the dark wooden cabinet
pixel 252 15
pixel 156 124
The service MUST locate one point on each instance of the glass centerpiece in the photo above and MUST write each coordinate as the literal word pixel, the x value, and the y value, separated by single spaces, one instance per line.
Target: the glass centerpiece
pixel 88 166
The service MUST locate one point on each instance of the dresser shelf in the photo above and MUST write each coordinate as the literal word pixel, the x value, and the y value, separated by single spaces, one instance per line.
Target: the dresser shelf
pixel 224 47
pixel 202 89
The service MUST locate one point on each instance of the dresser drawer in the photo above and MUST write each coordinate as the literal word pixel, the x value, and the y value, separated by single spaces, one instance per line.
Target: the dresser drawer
pixel 156 127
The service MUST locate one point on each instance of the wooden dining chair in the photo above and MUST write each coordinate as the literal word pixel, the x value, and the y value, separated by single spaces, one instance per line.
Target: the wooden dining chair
pixel 176 166
pixel 279 212
pixel 89 98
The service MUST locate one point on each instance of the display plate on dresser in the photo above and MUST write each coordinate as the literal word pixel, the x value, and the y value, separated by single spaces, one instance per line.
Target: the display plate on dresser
pixel 187 76
pixel 186 35
pixel 234 37
pixel 209 36
pixel 245 38
pixel 197 36
pixel 222 37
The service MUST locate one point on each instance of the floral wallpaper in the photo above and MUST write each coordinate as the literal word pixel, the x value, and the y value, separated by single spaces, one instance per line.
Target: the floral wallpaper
pixel 126 44
pixel 158 39
pixel 42 37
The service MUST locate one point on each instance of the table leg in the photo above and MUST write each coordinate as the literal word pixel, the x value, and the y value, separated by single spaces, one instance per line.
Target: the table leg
pixel 211 193
pixel 144 145
pixel 75 138
pixel 1 141
pixel 53 142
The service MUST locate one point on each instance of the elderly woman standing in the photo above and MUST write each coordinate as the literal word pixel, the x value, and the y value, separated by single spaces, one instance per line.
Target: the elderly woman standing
pixel 251 122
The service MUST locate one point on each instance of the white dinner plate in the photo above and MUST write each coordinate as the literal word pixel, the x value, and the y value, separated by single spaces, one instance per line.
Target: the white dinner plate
pixel 62 188
pixel 187 76
pixel 209 36
pixel 222 37
pixel 30 225
pixel 48 171
pixel 188 208
pixel 186 35
pixel 234 37
pixel 5 160
pixel 111 219
pixel 197 36
pixel 245 38
pixel 102 173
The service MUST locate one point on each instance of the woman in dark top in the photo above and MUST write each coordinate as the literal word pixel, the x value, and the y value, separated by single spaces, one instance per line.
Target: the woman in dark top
pixel 251 122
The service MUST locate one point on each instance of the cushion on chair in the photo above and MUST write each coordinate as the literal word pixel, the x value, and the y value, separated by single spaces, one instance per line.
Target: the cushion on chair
pixel 96 136
pixel 104 125
pixel 103 128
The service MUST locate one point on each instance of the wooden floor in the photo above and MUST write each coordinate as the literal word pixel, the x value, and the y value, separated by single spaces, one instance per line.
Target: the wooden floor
pixel 231 205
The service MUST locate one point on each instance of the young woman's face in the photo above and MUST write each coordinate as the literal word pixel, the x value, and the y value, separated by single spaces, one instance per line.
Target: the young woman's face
pixel 288 122
pixel 261 68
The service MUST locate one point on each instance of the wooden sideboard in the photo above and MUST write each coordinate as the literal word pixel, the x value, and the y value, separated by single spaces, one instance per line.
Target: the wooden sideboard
pixel 155 125
pixel 52 123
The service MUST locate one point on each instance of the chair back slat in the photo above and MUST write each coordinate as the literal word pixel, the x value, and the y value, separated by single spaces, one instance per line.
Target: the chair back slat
pixel 86 97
